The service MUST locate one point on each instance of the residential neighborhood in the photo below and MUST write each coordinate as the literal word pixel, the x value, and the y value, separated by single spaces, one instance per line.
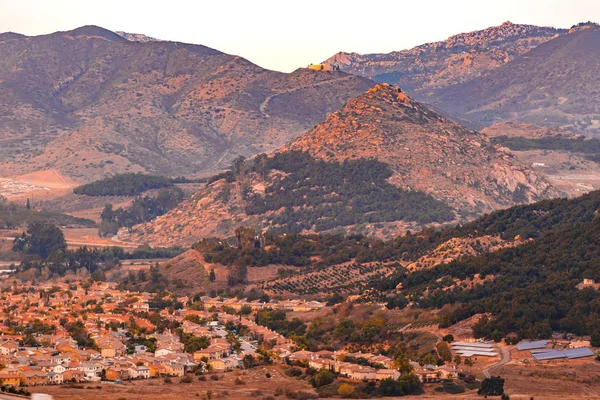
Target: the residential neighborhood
pixel 70 333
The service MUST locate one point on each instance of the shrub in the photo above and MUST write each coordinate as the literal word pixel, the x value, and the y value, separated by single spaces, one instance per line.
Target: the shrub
pixel 493 386
pixel 322 378
pixel 239 381
pixel 294 371
pixel 345 389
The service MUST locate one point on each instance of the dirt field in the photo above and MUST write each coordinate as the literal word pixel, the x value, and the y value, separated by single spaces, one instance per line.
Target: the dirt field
pixel 255 385
pixel 42 185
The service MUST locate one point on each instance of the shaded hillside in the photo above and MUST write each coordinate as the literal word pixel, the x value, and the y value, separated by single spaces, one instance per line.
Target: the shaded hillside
pixel 556 84
pixel 440 64
pixel 89 102
pixel 380 165
pixel 532 289
pixel 526 131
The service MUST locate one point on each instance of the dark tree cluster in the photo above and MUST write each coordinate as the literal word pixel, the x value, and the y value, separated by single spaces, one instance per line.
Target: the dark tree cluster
pixel 276 320
pixel 322 195
pixel 124 185
pixel 318 250
pixel 143 209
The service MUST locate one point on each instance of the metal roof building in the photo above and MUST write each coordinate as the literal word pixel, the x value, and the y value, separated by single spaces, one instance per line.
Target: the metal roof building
pixel 469 349
pixel 537 344
pixel 570 354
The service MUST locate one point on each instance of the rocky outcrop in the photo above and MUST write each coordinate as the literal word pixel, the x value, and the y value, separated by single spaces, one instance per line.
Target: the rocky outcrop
pixel 427 152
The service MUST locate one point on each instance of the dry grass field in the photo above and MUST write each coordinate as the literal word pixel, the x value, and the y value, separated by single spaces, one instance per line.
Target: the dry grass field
pixel 251 384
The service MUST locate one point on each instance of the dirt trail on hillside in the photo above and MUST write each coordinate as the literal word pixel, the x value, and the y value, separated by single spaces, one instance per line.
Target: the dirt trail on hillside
pixel 265 103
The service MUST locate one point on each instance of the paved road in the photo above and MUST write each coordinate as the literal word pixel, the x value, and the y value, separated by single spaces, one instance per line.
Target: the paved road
pixel 505 354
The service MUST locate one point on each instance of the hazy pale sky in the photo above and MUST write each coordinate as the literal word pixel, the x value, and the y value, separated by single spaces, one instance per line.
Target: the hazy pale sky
pixel 284 35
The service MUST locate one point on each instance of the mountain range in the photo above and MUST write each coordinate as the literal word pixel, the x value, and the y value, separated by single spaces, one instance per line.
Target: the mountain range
pixel 454 60
pixel 525 73
pixel 88 102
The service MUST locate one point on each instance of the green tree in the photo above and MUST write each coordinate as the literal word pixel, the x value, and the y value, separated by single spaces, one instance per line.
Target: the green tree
pixel 108 214
pixel 195 343
pixel 496 336
pixel 402 364
pixel 595 338
pixel 457 360
pixel 493 386
pixel 246 310
pixel 42 239
pixel 322 378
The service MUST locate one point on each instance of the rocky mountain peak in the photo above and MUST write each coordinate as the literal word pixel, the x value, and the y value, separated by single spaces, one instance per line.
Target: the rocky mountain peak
pixel 426 151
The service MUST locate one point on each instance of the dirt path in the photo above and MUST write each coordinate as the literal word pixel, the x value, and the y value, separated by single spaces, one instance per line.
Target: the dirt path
pixel 505 354
pixel 265 103
pixel 59 176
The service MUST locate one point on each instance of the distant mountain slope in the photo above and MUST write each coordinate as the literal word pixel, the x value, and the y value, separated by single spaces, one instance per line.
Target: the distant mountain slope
pixel 380 165
pixel 88 102
pixel 440 64
pixel 555 84
pixel 526 131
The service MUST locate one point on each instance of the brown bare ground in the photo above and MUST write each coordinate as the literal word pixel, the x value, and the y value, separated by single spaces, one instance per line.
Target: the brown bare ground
pixel 48 184
pixel 254 380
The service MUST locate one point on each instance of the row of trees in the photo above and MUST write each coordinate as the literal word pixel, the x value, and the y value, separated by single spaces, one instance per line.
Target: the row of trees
pixel 124 185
